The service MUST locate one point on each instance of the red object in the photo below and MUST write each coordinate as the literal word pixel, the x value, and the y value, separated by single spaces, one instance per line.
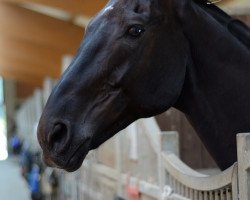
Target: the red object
pixel 133 193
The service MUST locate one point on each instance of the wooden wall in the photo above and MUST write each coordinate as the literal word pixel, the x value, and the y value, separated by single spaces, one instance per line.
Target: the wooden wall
pixel 33 44
pixel 192 151
pixel 24 90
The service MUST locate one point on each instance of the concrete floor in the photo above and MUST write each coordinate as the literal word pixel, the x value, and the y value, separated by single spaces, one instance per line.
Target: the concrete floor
pixel 12 185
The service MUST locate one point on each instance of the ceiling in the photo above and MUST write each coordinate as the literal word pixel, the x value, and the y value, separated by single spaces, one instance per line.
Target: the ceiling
pixel 35 34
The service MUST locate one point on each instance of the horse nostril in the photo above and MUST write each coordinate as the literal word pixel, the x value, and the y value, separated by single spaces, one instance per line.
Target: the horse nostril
pixel 58 138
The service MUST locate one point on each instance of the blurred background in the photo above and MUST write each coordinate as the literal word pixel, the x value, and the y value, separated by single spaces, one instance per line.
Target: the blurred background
pixel 38 39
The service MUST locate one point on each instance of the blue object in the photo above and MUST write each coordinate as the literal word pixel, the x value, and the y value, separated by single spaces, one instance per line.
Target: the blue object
pixel 34 179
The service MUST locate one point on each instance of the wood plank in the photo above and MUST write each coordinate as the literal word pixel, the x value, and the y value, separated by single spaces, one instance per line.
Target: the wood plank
pixel 243 154
pixel 32 45
pixel 13 48
pixel 39 29
pixel 192 151
pixel 24 90
pixel 24 78
pixel 17 65
pixel 25 72
pixel 83 7
pixel 195 180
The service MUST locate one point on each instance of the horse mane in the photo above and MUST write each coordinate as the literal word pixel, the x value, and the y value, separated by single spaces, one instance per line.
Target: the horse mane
pixel 237 28
pixel 201 1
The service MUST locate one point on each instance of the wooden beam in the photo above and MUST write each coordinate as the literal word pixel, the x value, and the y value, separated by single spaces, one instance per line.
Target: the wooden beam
pixel 84 7
pixel 27 62
pixel 24 90
pixel 21 77
pixel 19 66
pixel 47 59
pixel 39 29
pixel 32 45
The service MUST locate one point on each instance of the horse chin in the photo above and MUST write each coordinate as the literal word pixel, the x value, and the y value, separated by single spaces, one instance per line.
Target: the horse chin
pixel 76 160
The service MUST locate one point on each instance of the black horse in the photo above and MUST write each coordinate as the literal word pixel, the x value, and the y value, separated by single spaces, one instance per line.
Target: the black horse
pixel 141 57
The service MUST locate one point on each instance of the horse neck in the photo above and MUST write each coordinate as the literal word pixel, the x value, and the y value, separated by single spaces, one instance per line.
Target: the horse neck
pixel 216 91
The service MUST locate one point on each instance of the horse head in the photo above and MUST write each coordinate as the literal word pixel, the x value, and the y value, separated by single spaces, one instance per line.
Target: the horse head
pixel 130 65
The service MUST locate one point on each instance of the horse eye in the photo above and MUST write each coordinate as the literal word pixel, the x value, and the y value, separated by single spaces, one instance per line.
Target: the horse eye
pixel 136 30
